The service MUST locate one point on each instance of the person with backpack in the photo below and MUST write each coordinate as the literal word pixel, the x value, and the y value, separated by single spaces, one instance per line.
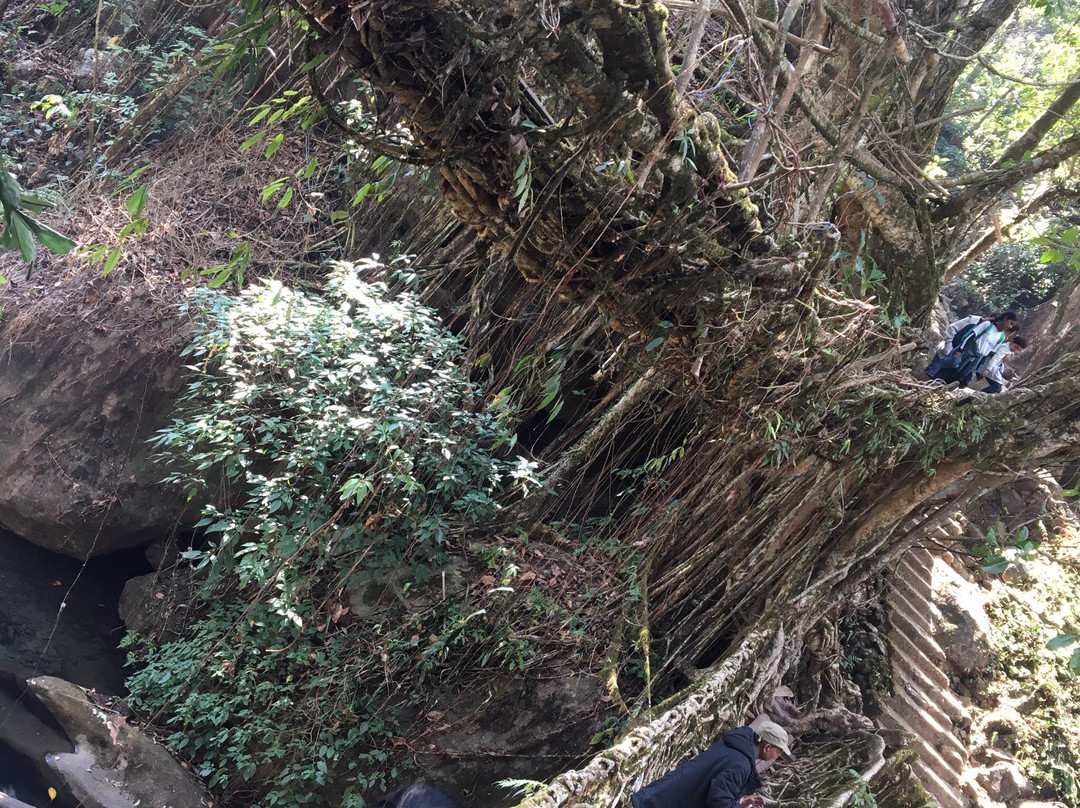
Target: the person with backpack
pixel 967 343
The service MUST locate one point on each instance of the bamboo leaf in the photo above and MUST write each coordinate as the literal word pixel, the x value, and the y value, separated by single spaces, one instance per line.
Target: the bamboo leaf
pixel 23 237
pixel 273 187
pixel 275 144
pixel 137 202
pixel 56 243
pixel 251 141
pixel 262 113
pixel 111 261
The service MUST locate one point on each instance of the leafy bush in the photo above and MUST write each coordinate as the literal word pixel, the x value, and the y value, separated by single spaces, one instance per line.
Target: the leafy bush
pixel 1012 276
pixel 1001 550
pixel 352 452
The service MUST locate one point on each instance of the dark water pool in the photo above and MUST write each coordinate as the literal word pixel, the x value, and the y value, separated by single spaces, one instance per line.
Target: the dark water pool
pixel 22 782
pixel 57 618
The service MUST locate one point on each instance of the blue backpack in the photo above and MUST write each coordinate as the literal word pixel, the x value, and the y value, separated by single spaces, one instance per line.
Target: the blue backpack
pixel 960 364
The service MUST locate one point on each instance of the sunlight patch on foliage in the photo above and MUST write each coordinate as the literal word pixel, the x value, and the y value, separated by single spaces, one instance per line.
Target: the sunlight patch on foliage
pixel 352 451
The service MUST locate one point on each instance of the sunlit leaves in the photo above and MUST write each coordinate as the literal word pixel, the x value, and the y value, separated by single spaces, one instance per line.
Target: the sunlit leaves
pixel 352 445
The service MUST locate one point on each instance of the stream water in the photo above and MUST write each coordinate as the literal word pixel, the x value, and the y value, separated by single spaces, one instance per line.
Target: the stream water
pixel 58 618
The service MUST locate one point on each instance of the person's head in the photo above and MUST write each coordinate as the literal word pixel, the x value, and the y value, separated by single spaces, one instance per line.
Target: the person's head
pixel 1006 321
pixel 770 740
pixel 1017 343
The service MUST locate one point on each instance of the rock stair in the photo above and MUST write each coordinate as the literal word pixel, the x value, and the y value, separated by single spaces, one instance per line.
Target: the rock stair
pixel 922 703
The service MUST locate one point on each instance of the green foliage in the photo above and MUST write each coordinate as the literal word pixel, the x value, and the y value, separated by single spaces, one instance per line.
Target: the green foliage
pixel 1040 44
pixel 353 453
pixel 868 433
pixel 129 81
pixel 109 255
pixel 613 728
pixel 291 107
pixel 55 8
pixel 1035 692
pixel 861 795
pixel 1060 250
pixel 1001 550
pixel 1012 276
pixel 1067 640
pixel 20 228
pixel 860 276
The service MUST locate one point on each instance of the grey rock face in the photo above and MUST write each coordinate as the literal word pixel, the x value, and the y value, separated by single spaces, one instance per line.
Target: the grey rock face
pixel 93 65
pixel 82 388
pixel 520 730
pixel 963 629
pixel 114 765
pixel 156 605
pixel 1005 782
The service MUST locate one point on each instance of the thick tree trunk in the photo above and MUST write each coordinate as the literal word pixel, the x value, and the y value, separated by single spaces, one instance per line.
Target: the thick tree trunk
pixel 562 140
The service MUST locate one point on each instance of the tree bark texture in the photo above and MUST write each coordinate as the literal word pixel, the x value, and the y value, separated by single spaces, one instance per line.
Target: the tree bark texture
pixel 561 139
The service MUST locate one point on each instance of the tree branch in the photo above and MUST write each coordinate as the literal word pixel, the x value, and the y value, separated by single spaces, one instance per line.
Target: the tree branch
pixel 989 185
pixel 998 233
pixel 1065 101
pixel 759 138
pixel 701 16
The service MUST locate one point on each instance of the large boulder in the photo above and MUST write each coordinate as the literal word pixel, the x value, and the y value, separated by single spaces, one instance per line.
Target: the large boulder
pixel 27 737
pixel 517 729
pixel 114 765
pixel 1005 782
pixel 93 65
pixel 88 372
pixel 156 604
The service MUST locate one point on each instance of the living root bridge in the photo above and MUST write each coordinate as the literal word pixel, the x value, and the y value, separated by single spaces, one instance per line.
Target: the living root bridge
pixel 722 698
pixel 796 554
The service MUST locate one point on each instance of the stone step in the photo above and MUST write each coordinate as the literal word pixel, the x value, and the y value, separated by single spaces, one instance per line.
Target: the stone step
pixel 939 779
pixel 932 680
pixel 913 572
pixel 944 791
pixel 917 609
pixel 932 670
pixel 932 725
pixel 912 580
pixel 917 637
pixel 923 703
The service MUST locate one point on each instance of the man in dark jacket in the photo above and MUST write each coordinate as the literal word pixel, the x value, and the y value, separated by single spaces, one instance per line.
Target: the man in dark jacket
pixel 721 776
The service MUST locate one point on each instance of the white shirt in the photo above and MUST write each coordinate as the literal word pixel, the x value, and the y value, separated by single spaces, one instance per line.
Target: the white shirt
pixel 954 328
pixel 989 338
pixel 993 365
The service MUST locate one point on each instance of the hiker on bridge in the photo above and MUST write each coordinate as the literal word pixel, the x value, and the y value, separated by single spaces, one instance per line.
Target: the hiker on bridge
pixel 967 343
pixel 720 777
pixel 992 368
